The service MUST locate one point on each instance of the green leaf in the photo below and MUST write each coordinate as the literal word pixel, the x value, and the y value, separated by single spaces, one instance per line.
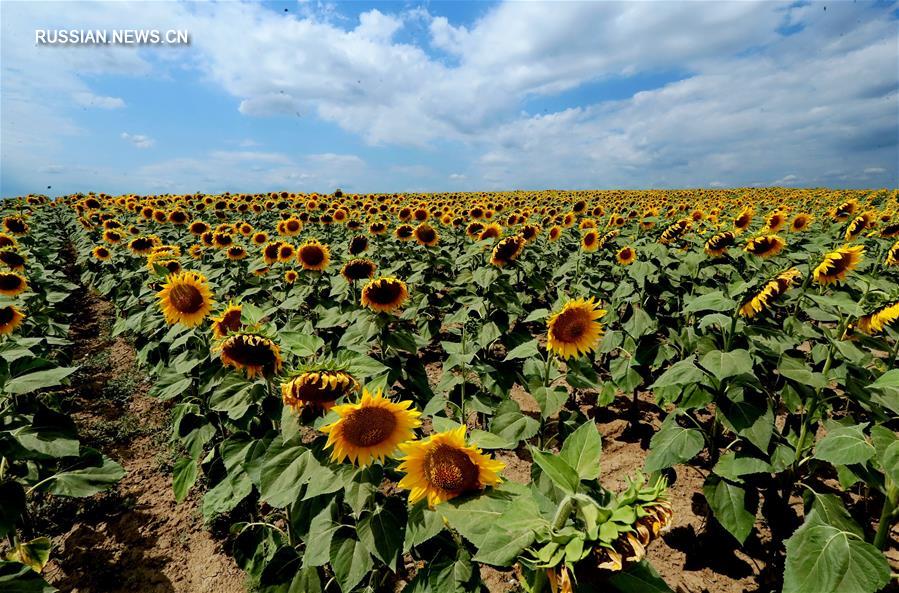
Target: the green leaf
pixel 558 470
pixel 35 554
pixel 382 533
pixel 38 380
pixel 423 524
pixel 102 474
pixel 671 445
pixel 844 445
pixel 512 425
pixel 18 578
pixel 711 301
pixel 184 476
pixel 727 364
pixel 525 350
pixel 684 372
pixel 283 473
pixel 54 441
pixel 750 420
pixel 822 558
pixel 351 562
pixel 301 344
pixel 639 578
pixel 728 501
pixel 734 466
pixel 582 450
pixel 537 315
pixel 550 399
pixel 798 371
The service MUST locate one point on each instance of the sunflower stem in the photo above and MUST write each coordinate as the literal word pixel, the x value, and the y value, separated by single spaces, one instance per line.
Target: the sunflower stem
pixel 562 512
pixel 890 503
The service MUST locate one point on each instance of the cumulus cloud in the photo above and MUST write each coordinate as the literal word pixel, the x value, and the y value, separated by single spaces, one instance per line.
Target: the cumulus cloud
pixel 138 140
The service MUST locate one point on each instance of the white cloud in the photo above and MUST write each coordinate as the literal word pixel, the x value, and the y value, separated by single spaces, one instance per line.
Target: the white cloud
pixel 875 170
pixel 138 140
pixel 457 176
pixel 87 99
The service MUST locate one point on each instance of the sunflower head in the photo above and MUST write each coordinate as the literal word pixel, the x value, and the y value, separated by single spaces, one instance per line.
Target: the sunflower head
pixel 574 330
pixel 837 264
pixel 185 298
pixel 444 466
pixel 15 225
pixel 228 322
pixel 12 260
pixel 314 256
pixel 490 231
pixel 317 388
pixel 590 240
pixel 270 252
pixel 718 244
pixel 358 269
pixel 507 250
pixel 801 222
pixel 101 253
pixel 290 276
pixel 765 246
pixel 873 323
pixel 626 256
pixel 404 232
pixel 554 233
pixel 426 235
pixel 252 353
pixel 370 429
pixel 10 319
pixel 770 292
pixel 7 240
pixel 12 283
pixel 358 244
pixel 384 294
pixel 286 252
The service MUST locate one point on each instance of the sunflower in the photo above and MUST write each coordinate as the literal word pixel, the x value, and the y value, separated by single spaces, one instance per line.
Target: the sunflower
pixel 775 222
pixel 7 240
pixel 892 258
pixel 743 220
pixel 858 225
pixel 491 231
pixel 15 225
pixel 874 323
pixel 426 235
pixel 251 353
pixel 530 232
pixel 260 238
pixel 196 251
pixel 12 260
pixel 185 298
pixel 371 429
pixel 765 246
pixel 404 232
pixel 718 244
pixel 769 293
pixel 270 252
pixel 801 222
pixel 384 294
pixel 675 231
pixel 101 253
pixel 198 227
pixel 10 319
pixel 554 233
pixel 443 466
pixel 891 231
pixel 837 264
pixel 607 238
pixel 358 269
pixel 590 241
pixel 574 330
pixel 377 228
pixel 314 256
pixel 112 236
pixel 12 283
pixel 474 229
pixel 358 244
pixel 626 256
pixel 290 227
pixel 290 276
pixel 227 322
pixel 507 250
pixel 236 252
pixel 286 252
pixel 319 388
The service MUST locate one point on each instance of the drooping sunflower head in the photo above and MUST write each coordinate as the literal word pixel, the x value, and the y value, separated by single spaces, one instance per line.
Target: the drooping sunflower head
pixel 507 250
pixel 317 388
pixel 626 256
pixel 444 466
pixel 12 283
pixel 185 298
pixel 743 220
pixel 252 353
pixel 384 294
pixel 801 222
pixel 358 244
pixel 491 231
pixel 590 240
pixel 771 291
pixel 474 229
pixel 377 228
pixel 775 221
pixel 358 269
pixel 12 260
pixel 10 319
pixel 765 246
pixel 892 257
pixel 101 253
pixel 530 232
pixel 314 256
pixel 873 323
pixel 426 235
pixel 718 244
pixel 370 429
pixel 228 322
pixel 837 264
pixel 15 225
pixel 574 330
pixel 144 245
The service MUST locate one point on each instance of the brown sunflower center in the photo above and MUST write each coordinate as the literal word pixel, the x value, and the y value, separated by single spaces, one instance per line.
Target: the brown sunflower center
pixel 312 255
pixel 384 293
pixel 839 264
pixel 15 225
pixel 186 298
pixel 250 351
pixel 10 282
pixel 570 326
pixel 506 250
pixel 230 320
pixel 367 427
pixel 358 270
pixel 426 235
pixel 12 259
pixel 6 316
pixel 320 391
pixel 451 469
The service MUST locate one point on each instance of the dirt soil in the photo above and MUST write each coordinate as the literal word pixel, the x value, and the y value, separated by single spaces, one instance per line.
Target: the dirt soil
pixel 137 538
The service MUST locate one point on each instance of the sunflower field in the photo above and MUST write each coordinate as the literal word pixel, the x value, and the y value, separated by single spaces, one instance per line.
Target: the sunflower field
pixel 405 392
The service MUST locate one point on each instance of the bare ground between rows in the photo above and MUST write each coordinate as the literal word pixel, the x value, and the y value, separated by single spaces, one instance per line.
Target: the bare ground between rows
pixel 135 538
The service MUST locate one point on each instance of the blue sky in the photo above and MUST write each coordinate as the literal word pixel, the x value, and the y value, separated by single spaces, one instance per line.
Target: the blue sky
pixel 451 96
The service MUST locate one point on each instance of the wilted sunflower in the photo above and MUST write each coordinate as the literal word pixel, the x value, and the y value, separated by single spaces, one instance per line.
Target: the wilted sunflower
pixel 443 467
pixel 251 353
pixel 507 250
pixel 370 429
pixel 874 323
pixel 675 231
pixel 491 231
pixel 185 298
pixel 590 241
pixel 358 269
pixel 426 235
pixel 772 289
pixel 12 260
pixel 101 253
pixel 626 256
pixel 837 264
pixel 384 294
pixel 227 322
pixel 575 330
pixel 858 225
pixel 320 388
pixel 765 246
pixel 10 319
pixel 718 244
pixel 800 222
pixel 314 256
pixel 12 284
